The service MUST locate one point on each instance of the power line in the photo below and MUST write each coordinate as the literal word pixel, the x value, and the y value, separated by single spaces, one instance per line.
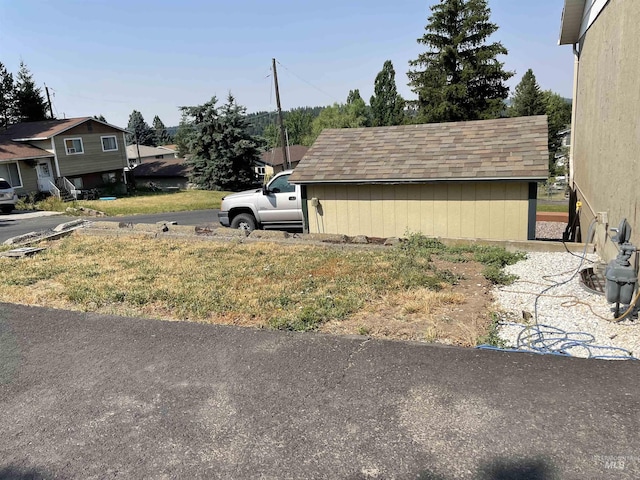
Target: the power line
pixel 308 83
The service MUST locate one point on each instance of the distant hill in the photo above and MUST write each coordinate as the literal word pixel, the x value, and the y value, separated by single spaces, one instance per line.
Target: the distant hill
pixel 260 120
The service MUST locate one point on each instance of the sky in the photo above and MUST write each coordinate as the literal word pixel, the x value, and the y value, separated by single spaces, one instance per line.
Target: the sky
pixel 111 57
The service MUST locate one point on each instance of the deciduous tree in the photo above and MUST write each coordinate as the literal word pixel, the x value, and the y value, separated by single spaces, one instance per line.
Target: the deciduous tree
pixel 459 77
pixel 387 107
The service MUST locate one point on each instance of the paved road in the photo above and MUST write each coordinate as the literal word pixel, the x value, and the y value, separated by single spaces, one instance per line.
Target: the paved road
pixel 20 223
pixel 84 396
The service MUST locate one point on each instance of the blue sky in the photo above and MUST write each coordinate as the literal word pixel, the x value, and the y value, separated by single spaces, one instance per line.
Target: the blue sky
pixel 111 56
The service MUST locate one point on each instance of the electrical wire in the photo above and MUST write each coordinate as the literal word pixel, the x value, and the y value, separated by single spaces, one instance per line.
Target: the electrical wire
pixel 546 339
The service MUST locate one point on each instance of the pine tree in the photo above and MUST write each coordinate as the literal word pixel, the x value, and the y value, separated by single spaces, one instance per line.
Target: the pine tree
pixel 459 77
pixel 161 135
pixel 223 152
pixel 7 97
pixel 30 104
pixel 387 107
pixel 101 118
pixel 528 99
pixel 558 112
pixel 141 132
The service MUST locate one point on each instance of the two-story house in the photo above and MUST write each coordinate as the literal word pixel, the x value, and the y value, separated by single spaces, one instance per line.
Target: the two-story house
pixel 70 154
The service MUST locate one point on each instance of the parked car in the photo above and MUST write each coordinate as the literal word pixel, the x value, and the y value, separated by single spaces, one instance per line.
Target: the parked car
pixel 8 197
pixel 276 205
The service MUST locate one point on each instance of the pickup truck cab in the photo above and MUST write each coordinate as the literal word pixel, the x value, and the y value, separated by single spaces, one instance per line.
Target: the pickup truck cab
pixel 276 205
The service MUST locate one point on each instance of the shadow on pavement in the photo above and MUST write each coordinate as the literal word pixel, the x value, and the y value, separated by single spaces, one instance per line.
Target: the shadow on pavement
pixel 17 473
pixel 505 469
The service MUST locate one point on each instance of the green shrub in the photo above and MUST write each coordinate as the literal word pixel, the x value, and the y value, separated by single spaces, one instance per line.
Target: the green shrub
pixel 492 338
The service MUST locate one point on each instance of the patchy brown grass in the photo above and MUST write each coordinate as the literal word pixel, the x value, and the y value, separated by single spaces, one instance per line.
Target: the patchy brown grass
pixel 294 287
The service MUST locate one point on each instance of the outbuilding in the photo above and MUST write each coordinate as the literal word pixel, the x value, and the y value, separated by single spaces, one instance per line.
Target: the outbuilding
pixel 474 179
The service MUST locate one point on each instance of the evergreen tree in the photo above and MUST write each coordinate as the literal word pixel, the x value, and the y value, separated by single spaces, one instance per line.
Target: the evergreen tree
pixel 7 97
pixel 183 136
pixel 223 152
pixel 357 108
pixel 101 118
pixel 528 99
pixel 558 112
pixel 459 77
pixel 141 132
pixel 387 107
pixel 30 104
pixel 161 134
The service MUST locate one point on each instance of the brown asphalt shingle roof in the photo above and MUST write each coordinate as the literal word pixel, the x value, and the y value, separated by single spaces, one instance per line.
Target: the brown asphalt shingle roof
pixel 274 156
pixel 45 128
pixel 165 167
pixel 10 150
pixel 505 148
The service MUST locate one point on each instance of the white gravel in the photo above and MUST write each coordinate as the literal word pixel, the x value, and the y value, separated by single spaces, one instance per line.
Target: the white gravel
pixel 580 323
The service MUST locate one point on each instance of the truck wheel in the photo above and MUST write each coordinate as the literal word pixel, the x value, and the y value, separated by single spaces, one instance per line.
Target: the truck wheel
pixel 244 221
pixel 7 208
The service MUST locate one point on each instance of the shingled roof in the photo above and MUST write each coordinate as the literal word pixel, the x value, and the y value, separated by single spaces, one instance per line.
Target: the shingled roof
pixel 501 149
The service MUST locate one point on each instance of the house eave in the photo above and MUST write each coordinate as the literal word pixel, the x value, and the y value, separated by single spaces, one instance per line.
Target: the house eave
pixel 571 25
pixel 32 157
pixel 398 181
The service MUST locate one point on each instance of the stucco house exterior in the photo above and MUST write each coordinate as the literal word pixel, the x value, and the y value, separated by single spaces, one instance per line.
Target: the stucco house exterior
pixel 69 154
pixel 605 132
pixel 459 180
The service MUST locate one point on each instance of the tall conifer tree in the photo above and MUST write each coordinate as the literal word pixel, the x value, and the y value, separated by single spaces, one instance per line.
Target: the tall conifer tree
pixel 528 99
pixel 29 102
pixel 387 107
pixel 459 77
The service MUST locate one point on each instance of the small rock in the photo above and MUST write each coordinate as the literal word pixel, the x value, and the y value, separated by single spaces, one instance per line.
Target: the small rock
pixel 360 239
pixel 392 241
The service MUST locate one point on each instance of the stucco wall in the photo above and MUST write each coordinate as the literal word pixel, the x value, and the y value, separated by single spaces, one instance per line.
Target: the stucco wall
pixel 489 210
pixel 607 124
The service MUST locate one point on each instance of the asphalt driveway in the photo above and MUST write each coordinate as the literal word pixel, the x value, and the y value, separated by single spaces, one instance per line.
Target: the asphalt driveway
pixel 90 396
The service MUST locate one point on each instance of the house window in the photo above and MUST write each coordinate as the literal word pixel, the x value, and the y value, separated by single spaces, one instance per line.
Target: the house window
pixel 260 170
pixel 73 146
pixel 109 144
pixel 10 172
pixel 77 182
pixel 109 177
pixel 159 156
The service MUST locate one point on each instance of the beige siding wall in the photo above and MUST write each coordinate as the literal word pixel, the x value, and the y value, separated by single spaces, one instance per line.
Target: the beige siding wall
pixel 489 210
pixel 29 178
pixel 607 124
pixel 93 159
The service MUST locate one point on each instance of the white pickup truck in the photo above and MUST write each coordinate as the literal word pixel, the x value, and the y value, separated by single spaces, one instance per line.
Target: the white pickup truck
pixel 277 205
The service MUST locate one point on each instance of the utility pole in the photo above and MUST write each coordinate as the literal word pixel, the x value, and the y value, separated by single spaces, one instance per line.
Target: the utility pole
pixel 285 156
pixel 49 100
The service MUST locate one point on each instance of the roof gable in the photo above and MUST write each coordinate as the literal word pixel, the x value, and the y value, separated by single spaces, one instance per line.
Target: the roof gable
pixel 506 148
pixel 48 128
pixel 274 156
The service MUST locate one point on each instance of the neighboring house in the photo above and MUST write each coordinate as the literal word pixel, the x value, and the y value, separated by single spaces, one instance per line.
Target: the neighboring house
pixel 70 154
pixel 165 173
pixel 138 154
pixel 603 163
pixel 460 180
pixel 272 161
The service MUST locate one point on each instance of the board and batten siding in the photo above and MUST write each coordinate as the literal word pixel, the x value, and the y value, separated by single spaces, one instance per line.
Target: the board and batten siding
pixel 93 159
pixel 484 210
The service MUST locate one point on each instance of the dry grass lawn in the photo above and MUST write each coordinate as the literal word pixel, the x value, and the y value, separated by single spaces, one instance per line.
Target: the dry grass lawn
pixel 386 293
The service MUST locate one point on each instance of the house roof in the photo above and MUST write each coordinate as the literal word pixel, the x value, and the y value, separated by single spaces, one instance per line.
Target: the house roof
pixel 165 167
pixel 274 156
pixel 572 16
pixel 10 150
pixel 505 148
pixel 146 151
pixel 47 128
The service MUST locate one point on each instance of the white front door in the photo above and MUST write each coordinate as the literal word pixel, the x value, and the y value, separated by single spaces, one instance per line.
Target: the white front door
pixel 45 175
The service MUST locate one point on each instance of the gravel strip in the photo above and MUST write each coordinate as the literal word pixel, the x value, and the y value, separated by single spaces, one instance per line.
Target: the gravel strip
pixel 581 323
pixel 550 230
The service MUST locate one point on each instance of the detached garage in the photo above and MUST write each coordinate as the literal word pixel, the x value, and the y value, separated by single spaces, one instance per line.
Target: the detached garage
pixel 458 180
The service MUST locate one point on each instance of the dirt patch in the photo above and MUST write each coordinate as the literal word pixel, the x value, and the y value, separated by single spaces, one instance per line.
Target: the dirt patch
pixel 456 315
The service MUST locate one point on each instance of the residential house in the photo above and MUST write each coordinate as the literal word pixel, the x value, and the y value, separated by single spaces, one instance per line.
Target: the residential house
pixel 603 165
pixel 70 154
pixel 459 180
pixel 272 161
pixel 167 173
pixel 138 154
